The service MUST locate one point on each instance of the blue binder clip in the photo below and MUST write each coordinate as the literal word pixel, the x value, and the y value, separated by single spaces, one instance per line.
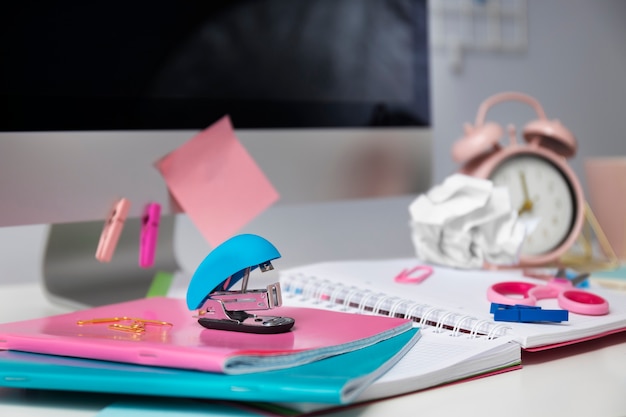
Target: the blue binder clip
pixel 527 314
pixel 223 309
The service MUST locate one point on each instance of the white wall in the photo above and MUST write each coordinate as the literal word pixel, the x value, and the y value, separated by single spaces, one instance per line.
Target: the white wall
pixel 575 65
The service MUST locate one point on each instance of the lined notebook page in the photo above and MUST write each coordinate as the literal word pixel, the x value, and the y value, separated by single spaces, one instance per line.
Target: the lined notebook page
pixel 440 356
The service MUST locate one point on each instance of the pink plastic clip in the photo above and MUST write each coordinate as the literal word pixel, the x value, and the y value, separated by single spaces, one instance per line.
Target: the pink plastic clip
pixel 408 276
pixel 149 234
pixel 112 230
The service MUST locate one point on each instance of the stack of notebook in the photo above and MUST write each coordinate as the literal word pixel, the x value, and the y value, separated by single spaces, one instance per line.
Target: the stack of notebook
pixel 154 346
pixel 348 345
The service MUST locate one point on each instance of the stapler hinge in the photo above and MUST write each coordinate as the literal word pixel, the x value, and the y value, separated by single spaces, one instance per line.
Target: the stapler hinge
pixel 228 310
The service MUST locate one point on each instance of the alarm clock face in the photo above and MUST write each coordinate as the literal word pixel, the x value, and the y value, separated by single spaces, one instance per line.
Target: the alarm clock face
pixel 543 196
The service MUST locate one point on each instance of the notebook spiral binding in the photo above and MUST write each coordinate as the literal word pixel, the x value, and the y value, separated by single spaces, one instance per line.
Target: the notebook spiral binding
pixel 332 295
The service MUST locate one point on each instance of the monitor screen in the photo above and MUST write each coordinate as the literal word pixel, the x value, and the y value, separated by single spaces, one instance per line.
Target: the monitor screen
pixel 181 65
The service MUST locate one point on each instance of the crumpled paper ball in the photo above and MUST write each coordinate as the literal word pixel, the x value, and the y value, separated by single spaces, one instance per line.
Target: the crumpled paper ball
pixel 466 222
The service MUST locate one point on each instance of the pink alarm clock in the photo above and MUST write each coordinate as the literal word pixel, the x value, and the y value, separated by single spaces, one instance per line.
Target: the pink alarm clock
pixel 543 188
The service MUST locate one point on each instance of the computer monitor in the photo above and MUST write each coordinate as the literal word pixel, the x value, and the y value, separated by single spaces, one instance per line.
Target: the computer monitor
pixel 330 97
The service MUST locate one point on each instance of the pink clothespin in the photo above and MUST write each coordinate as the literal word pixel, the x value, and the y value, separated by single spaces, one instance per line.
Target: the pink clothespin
pixel 149 234
pixel 112 230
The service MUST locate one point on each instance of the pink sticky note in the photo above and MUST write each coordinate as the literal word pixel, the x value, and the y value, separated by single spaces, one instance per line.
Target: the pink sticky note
pixel 216 182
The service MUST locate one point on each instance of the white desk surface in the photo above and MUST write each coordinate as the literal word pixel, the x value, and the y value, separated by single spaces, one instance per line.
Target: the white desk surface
pixel 588 379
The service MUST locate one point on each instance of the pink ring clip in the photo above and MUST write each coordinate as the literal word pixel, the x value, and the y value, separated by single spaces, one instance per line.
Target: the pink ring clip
pixel 407 276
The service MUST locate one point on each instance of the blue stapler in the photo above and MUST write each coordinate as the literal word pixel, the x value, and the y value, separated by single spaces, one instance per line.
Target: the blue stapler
pixel 221 308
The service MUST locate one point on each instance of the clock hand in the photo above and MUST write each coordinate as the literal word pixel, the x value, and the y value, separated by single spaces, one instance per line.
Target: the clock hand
pixel 524 186
pixel 527 204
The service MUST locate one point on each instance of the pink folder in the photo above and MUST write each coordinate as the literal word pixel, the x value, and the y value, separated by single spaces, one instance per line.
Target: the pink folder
pixel 186 344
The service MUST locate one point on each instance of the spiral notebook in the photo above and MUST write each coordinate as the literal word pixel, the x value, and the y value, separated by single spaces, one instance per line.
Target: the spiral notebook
pixel 450 298
pixel 441 357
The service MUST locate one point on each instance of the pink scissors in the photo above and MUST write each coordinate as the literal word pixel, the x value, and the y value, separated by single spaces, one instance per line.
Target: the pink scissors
pixel 525 293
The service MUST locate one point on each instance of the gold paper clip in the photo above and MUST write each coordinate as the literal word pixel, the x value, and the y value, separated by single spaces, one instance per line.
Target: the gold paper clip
pixel 126 324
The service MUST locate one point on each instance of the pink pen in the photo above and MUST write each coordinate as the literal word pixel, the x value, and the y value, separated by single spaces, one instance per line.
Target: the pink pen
pixel 149 234
pixel 112 230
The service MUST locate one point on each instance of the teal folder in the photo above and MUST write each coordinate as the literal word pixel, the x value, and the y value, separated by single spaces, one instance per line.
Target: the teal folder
pixel 176 408
pixel 335 380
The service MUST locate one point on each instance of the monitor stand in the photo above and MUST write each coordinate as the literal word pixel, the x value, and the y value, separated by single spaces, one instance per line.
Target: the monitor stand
pixel 73 277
